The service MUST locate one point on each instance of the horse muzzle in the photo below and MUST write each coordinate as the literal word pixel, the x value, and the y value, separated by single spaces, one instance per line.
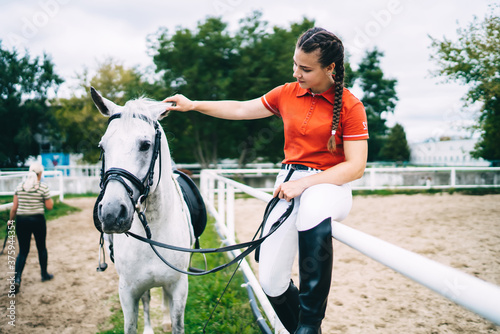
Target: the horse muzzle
pixel 115 216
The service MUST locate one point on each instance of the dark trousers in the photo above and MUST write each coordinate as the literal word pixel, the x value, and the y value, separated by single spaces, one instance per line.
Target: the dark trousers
pixel 25 227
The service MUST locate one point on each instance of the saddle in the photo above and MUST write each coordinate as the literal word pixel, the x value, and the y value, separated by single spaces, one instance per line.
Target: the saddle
pixel 195 204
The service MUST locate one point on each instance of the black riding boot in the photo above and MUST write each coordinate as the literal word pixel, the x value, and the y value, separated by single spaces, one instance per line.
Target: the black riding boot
pixel 43 259
pixel 20 263
pixel 286 307
pixel 315 269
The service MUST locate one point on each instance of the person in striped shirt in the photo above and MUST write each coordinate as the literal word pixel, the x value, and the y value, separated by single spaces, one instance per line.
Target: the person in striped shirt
pixel 31 198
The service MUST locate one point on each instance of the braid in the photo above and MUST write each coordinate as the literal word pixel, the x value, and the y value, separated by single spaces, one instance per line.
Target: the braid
pixel 332 51
pixel 337 105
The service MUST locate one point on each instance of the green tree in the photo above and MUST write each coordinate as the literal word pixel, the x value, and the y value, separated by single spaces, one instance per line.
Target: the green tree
pixel 213 64
pixel 265 61
pixel 79 123
pixel 474 60
pixel 198 64
pixel 379 97
pixel 25 84
pixel 396 146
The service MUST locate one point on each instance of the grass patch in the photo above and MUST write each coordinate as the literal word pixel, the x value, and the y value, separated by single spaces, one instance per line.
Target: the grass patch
pixel 232 316
pixel 60 209
pixel 5 199
pixel 479 191
pixel 89 194
pixel 115 322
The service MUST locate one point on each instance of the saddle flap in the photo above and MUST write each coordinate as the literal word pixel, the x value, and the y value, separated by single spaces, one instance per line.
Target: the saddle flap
pixel 194 201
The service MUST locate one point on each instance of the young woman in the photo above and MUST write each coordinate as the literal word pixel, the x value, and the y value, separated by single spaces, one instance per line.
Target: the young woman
pixel 326 145
pixel 30 200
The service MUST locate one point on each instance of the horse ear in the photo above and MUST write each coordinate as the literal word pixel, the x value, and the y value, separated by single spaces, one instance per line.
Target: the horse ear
pixel 105 106
pixel 161 111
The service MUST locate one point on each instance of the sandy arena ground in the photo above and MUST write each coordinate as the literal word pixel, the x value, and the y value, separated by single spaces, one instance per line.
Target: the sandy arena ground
pixel 366 297
pixel 76 300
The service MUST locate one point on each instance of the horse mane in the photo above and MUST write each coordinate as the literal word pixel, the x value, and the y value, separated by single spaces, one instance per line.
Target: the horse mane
pixel 141 106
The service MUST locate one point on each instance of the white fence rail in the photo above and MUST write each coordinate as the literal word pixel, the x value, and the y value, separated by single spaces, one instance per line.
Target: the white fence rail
pixel 85 179
pixel 10 180
pixel 394 178
pixel 474 294
pixel 428 177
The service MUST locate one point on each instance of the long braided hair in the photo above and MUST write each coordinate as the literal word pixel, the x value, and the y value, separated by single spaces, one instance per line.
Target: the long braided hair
pixel 331 51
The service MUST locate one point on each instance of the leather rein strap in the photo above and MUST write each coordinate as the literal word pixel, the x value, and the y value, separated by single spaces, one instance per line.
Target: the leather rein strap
pixel 251 245
pixel 119 174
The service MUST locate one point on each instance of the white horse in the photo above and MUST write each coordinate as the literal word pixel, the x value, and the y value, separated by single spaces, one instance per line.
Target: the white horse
pixel 128 144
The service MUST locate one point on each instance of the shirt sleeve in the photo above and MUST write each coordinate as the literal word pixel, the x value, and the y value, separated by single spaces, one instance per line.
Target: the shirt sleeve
pixel 18 189
pixel 45 192
pixel 271 100
pixel 355 123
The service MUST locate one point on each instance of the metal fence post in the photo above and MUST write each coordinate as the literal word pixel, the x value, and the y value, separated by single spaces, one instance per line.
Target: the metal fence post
pixel 372 178
pixel 453 177
pixel 230 211
pixel 61 186
pixel 221 201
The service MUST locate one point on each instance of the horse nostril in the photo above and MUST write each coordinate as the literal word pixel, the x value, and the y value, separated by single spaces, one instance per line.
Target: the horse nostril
pixel 123 212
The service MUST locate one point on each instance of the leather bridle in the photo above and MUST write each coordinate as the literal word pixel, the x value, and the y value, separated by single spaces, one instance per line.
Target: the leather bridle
pixel 120 174
pixel 144 185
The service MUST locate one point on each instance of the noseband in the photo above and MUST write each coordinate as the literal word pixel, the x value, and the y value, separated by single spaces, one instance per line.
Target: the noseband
pixel 120 174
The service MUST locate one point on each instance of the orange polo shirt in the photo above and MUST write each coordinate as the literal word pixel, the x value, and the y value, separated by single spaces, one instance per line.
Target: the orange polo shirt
pixel 307 120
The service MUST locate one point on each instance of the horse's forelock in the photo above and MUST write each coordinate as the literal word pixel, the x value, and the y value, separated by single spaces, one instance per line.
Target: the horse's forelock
pixel 142 106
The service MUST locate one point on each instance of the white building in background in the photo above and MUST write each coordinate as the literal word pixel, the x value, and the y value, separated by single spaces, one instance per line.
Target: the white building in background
pixel 452 152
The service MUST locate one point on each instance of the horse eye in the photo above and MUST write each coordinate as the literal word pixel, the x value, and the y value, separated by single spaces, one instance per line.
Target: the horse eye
pixel 145 146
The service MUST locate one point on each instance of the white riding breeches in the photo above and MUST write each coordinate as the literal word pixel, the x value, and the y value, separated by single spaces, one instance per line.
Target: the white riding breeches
pixel 314 205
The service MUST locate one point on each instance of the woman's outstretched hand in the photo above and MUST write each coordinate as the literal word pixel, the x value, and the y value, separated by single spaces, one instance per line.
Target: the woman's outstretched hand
pixel 181 103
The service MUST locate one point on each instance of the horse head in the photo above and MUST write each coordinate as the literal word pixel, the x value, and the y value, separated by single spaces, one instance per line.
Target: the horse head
pixel 130 148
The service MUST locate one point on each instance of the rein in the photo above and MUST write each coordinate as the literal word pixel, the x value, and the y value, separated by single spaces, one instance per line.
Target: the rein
pixel 119 174
pixel 251 245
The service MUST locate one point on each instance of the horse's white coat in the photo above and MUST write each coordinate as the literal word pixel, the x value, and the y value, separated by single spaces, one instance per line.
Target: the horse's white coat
pixel 139 269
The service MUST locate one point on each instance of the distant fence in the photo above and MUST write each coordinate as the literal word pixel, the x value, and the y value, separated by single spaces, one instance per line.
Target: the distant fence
pixel 85 179
pixel 392 178
pixel 474 294
pixel 10 180
pixel 429 177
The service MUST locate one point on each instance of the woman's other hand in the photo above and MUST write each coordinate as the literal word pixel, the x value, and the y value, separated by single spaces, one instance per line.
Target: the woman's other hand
pixel 290 189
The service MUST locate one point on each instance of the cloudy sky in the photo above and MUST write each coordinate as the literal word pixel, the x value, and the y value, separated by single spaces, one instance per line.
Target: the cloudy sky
pixel 78 34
